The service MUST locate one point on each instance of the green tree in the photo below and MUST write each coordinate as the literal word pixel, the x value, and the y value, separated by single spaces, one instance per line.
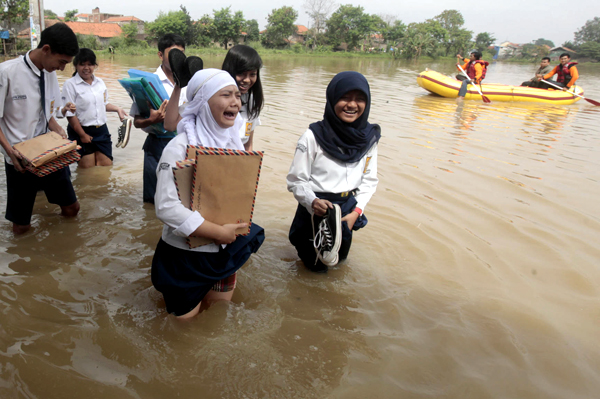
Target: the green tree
pixel 226 26
pixel 393 33
pixel 590 32
pixel 570 45
pixel 280 26
pixel 590 50
pixel 192 29
pixel 87 41
pixel 50 14
pixel 541 42
pixel 172 22
pixel 204 29
pixel 418 40
pixel 532 51
pixel 70 15
pixel 14 11
pixel 484 40
pixel 129 33
pixel 348 24
pixel 457 38
pixel 252 30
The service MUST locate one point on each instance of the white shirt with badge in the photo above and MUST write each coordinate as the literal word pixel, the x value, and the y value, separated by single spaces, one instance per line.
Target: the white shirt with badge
pixel 313 170
pixel 90 100
pixel 250 124
pixel 179 221
pixel 21 114
pixel 168 88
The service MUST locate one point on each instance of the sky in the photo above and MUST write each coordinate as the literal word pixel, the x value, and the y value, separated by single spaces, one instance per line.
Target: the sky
pixel 517 21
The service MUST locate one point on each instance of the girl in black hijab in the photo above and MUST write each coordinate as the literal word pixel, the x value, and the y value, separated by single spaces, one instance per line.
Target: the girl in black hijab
pixel 334 174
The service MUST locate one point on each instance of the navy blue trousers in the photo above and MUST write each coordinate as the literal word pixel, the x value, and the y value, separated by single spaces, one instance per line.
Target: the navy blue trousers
pixel 153 149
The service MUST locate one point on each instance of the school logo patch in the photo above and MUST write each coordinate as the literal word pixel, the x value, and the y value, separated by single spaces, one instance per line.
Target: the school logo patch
pixel 301 147
pixel 163 166
pixel 52 107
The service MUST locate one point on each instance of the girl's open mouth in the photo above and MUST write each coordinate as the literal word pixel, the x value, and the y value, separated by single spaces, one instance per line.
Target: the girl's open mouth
pixel 230 115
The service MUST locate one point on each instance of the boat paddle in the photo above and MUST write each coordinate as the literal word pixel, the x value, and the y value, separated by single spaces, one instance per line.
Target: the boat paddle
pixel 485 99
pixel 596 103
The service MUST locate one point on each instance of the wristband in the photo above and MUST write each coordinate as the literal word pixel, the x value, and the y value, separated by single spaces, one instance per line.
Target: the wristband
pixel 358 210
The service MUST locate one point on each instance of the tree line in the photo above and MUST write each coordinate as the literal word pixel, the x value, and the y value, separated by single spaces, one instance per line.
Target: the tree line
pixel 331 28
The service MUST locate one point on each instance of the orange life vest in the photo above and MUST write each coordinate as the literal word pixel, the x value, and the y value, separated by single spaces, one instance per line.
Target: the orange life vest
pixel 563 72
pixel 471 69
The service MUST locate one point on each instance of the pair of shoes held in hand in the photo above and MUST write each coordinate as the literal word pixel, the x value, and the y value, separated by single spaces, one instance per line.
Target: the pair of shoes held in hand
pixel 183 67
pixel 328 236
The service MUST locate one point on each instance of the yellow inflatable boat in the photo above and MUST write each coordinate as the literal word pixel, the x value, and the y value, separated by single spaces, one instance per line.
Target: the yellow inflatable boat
pixel 446 86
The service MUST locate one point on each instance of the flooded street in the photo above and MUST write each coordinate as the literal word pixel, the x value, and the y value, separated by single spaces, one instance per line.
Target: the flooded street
pixel 478 275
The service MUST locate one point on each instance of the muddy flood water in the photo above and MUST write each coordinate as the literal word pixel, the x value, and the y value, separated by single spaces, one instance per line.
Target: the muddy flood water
pixel 478 275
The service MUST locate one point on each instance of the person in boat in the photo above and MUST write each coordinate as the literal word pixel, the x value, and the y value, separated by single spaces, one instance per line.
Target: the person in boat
pixel 544 69
pixel 475 68
pixel 566 72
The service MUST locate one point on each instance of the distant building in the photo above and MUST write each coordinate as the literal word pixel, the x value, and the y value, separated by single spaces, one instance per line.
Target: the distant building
pixel 557 51
pixel 98 17
pixel 126 20
pixel 508 50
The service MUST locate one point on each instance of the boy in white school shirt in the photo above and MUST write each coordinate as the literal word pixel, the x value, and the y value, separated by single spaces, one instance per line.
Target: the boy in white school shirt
pixel 155 144
pixel 25 83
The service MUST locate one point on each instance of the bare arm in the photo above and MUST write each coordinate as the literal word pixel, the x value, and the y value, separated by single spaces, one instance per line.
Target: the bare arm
pixel 156 116
pixel 120 111
pixel 219 234
pixel 172 116
pixel 76 125
pixel 55 127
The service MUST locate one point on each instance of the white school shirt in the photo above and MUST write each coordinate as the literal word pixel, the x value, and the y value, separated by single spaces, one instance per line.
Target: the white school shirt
pixel 168 88
pixel 179 221
pixel 313 170
pixel 249 124
pixel 90 99
pixel 21 115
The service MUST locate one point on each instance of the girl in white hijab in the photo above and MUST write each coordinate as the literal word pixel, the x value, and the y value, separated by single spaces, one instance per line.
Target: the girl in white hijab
pixel 190 279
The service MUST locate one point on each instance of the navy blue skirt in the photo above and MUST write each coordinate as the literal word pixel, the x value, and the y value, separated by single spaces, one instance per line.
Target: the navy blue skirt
pixel 101 140
pixel 185 277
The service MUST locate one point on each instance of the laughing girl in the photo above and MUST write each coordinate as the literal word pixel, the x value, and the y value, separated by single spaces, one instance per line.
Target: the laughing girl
pixel 334 174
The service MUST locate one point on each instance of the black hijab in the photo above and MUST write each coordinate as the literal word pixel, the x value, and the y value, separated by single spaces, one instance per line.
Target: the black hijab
pixel 347 142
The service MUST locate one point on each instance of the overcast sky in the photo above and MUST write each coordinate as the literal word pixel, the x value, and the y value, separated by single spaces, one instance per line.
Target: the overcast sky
pixel 517 21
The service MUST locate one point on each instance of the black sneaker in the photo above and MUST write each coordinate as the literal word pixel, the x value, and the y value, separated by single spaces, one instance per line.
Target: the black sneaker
pixel 124 131
pixel 328 236
pixel 193 64
pixel 181 73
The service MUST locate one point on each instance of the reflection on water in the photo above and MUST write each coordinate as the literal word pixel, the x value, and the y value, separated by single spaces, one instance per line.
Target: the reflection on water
pixel 477 276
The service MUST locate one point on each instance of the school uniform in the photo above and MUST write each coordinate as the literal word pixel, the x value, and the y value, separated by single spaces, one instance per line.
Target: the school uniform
pixel 90 100
pixel 334 161
pixel 249 123
pixel 185 275
pixel 22 117
pixel 316 174
pixel 155 143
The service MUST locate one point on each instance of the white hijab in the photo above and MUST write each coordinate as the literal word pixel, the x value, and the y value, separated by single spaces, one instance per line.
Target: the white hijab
pixel 197 122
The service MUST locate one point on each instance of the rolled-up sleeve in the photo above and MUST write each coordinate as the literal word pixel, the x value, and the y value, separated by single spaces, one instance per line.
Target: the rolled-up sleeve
pixel 169 208
pixel 298 177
